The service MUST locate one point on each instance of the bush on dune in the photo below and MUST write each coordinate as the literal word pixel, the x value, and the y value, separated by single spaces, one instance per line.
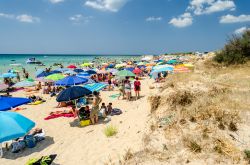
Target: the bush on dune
pixel 236 51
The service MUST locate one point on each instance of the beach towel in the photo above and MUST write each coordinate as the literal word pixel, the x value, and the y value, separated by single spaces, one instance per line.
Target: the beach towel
pixel 17 146
pixel 59 115
pixel 44 160
pixel 116 111
pixel 114 96
pixel 36 103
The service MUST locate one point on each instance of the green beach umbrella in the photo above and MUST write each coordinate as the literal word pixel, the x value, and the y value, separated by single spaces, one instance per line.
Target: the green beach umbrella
pixel 30 80
pixel 125 73
pixel 86 64
pixel 55 77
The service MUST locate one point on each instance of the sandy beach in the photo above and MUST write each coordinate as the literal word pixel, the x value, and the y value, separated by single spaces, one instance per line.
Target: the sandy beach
pixel 85 145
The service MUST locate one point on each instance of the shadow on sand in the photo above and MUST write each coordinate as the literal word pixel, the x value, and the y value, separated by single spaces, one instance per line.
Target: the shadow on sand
pixel 27 151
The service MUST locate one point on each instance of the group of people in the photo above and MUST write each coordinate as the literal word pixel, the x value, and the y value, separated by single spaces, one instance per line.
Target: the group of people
pixel 125 88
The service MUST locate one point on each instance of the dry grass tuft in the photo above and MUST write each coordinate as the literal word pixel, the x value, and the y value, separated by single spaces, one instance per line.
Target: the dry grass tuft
pixel 154 102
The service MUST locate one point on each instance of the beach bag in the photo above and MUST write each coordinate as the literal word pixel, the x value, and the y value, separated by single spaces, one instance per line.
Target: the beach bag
pixel 30 141
pixel 84 123
pixel 44 160
pixel 17 146
pixel 116 111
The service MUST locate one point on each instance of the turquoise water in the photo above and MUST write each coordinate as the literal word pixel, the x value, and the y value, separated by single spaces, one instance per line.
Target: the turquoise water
pixel 7 59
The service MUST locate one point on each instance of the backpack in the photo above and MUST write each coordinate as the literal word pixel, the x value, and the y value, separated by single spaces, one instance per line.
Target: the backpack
pixel 30 141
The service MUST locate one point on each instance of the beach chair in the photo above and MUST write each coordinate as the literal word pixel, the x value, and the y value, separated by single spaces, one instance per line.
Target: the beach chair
pixel 81 102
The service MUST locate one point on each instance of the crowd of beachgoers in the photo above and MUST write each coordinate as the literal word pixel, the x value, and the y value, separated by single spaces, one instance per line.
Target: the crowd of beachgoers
pixel 77 89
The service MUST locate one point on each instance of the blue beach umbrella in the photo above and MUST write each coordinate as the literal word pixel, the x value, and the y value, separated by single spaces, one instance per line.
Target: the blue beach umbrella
pixel 129 69
pixel 83 74
pixel 78 70
pixel 95 86
pixel 62 69
pixel 13 125
pixel 72 93
pixel 45 74
pixel 11 102
pixel 91 72
pixel 8 75
pixel 71 80
pixel 70 72
pixel 162 70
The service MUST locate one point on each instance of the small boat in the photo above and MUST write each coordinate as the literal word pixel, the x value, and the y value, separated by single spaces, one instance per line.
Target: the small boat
pixel 15 64
pixel 33 61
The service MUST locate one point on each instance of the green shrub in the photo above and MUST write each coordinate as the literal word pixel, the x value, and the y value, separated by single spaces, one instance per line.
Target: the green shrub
pixel 236 51
pixel 110 131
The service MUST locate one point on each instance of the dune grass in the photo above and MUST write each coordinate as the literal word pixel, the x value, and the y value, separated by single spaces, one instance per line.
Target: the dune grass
pixel 110 130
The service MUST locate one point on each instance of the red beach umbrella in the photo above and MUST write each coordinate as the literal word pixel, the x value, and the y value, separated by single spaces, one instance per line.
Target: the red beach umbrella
pixel 137 71
pixel 71 67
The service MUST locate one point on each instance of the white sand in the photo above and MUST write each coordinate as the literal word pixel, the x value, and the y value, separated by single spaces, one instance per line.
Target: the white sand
pixel 85 145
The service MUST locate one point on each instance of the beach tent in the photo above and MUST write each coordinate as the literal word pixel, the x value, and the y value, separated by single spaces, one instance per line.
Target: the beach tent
pixel 71 67
pixel 125 73
pixel 55 77
pixel 72 93
pixel 71 80
pixel 24 83
pixel 11 102
pixel 95 86
pixel 8 75
pixel 3 87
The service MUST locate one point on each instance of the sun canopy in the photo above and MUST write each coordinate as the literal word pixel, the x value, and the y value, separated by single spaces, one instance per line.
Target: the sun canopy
pixel 13 125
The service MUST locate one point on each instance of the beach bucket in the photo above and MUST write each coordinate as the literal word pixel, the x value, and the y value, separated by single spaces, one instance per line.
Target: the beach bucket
pixel 84 123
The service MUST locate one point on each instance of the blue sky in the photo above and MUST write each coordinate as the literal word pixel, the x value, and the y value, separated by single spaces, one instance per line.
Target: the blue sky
pixel 119 26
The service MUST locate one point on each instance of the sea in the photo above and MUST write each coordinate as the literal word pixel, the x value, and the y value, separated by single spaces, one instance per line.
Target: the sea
pixel 18 61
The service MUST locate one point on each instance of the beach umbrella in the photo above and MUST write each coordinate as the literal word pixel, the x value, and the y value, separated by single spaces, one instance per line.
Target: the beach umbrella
pixel 125 73
pixel 14 125
pixel 129 69
pixel 8 75
pixel 181 70
pixel 61 69
pixel 45 74
pixel 70 72
pixel 86 64
pixel 3 87
pixel 120 65
pixel 72 93
pixel 141 63
pixel 162 70
pixel 102 71
pixel 11 102
pixel 30 79
pixel 162 66
pixel 173 61
pixel 55 77
pixel 137 71
pixel 141 66
pixel 42 79
pixel 71 80
pixel 83 74
pixel 91 72
pixel 71 67
pixel 95 86
pixel 39 71
pixel 113 71
pixel 24 83
pixel 78 70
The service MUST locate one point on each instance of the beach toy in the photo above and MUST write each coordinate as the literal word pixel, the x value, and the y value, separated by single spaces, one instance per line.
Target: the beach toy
pixel 84 123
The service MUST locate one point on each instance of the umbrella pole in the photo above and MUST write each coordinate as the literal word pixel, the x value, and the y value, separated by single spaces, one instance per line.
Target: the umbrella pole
pixel 77 110
pixel 1 150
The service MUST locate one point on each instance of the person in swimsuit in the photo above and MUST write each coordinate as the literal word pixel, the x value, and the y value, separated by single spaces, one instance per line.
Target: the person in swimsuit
pixel 95 108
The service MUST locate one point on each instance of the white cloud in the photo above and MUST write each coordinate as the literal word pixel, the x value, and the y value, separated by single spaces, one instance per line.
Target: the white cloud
pixel 241 30
pixel 9 16
pixel 56 1
pixel 151 19
pixel 182 21
pixel 78 18
pixel 234 19
pixel 27 18
pixel 200 7
pixel 106 5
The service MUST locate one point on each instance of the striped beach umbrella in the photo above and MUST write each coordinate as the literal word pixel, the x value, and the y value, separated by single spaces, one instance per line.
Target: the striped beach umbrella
pixel 95 86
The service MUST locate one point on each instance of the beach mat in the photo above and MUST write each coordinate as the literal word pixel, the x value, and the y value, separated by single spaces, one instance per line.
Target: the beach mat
pixel 59 115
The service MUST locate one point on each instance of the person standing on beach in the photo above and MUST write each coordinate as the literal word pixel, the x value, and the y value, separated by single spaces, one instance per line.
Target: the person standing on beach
pixel 95 108
pixel 127 86
pixel 137 88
